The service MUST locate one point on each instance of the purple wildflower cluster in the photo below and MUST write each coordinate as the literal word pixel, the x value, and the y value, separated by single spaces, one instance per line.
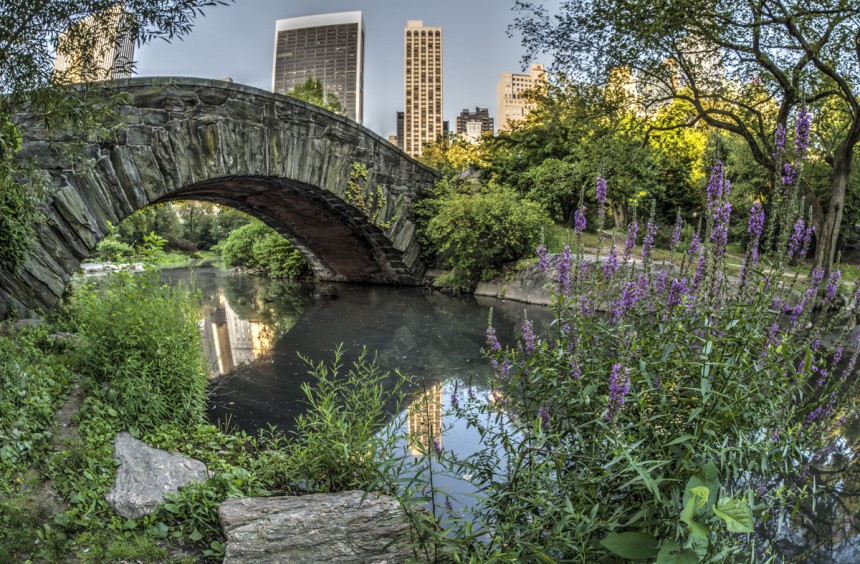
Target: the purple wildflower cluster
pixel 632 233
pixel 579 222
pixel 610 267
pixel 543 413
pixel 543 258
pixel 755 229
pixel 789 174
pixel 618 390
pixel 563 286
pixel 720 230
pixel 455 401
pixel 801 136
pixel 695 243
pixel 528 337
pixel 800 240
pixel 779 142
pixel 601 191
pixel 492 340
pixel 648 240
pixel 832 285
pixel 718 187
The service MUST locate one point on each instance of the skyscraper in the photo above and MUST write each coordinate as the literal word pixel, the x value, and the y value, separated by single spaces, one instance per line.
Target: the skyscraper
pixel 326 47
pixel 99 47
pixel 473 125
pixel 422 110
pixel 512 103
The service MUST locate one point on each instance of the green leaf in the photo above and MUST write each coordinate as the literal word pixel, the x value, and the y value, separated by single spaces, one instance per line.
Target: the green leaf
pixel 196 535
pixel 688 516
pixel 671 553
pixel 631 545
pixel 701 492
pixel 737 515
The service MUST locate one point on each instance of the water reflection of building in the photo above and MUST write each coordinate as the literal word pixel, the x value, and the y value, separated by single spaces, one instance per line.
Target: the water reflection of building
pixel 424 422
pixel 233 341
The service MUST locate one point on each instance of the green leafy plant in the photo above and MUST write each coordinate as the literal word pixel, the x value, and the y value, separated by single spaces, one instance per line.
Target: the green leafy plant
pixel 257 246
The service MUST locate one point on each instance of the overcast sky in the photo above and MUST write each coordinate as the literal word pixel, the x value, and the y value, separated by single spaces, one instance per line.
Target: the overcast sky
pixel 238 41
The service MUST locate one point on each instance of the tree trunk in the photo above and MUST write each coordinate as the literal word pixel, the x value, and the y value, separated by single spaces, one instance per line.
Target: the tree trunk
pixel 619 213
pixel 825 251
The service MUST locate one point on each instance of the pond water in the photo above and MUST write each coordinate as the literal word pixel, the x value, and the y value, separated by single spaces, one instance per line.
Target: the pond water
pixel 255 328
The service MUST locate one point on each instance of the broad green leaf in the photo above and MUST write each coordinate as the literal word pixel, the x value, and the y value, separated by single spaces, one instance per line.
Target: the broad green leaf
pixel 671 553
pixel 631 545
pixel 688 516
pixel 737 515
pixel 701 492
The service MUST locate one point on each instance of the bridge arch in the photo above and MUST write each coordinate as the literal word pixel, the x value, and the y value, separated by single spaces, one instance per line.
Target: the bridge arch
pixel 274 157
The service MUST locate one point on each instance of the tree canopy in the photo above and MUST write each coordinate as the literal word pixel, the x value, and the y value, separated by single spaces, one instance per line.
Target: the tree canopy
pixel 743 67
pixel 313 92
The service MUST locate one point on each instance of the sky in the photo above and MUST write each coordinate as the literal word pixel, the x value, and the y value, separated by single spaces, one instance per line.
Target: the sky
pixel 238 41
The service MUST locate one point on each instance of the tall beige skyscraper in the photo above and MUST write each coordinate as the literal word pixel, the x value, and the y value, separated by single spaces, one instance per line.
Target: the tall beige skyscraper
pixel 422 110
pixel 512 104
pixel 326 47
pixel 99 47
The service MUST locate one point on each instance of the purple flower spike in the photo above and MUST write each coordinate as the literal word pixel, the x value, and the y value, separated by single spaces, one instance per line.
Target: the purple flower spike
pixel 601 191
pixel 543 258
pixel 694 244
pixel 528 337
pixel 648 240
pixel 437 446
pixel 755 229
pixel 779 142
pixel 720 230
pixel 564 272
pixel 715 184
pixel 579 222
pixel 801 137
pixel 455 401
pixel 832 285
pixel 618 390
pixel 632 232
pixel 610 267
pixel 795 242
pixel 789 174
pixel 492 340
pixel 676 233
pixel 543 413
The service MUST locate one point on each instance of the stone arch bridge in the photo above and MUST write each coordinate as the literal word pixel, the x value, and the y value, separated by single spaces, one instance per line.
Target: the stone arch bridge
pixel 276 158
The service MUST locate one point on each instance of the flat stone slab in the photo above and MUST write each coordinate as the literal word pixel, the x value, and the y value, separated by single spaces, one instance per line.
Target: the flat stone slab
pixel 332 528
pixel 146 475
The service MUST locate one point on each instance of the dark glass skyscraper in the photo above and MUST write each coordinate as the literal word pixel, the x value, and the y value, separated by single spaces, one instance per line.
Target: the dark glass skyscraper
pixel 327 47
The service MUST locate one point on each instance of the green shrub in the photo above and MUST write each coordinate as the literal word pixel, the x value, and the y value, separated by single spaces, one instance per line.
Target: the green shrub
pixel 141 349
pixel 258 247
pixel 477 234
pixel 337 441
pixel 112 249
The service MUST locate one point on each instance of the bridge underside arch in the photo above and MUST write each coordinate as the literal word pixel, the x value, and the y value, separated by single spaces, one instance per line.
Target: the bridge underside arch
pixel 335 238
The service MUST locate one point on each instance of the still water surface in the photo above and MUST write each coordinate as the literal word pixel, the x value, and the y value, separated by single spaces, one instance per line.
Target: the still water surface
pixel 255 328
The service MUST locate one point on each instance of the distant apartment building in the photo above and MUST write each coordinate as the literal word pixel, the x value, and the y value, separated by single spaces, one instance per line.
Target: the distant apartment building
pixel 473 125
pixel 99 47
pixel 326 47
pixel 422 110
pixel 512 103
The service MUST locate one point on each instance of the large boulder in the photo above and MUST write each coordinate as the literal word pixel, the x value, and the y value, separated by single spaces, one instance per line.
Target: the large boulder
pixel 333 528
pixel 146 475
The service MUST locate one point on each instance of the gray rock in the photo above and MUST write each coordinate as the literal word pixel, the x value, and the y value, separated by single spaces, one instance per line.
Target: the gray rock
pixel 335 528
pixel 146 475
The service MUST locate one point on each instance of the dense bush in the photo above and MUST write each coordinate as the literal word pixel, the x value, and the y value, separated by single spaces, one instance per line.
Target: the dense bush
pixel 475 234
pixel 141 349
pixel 112 249
pixel 259 247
